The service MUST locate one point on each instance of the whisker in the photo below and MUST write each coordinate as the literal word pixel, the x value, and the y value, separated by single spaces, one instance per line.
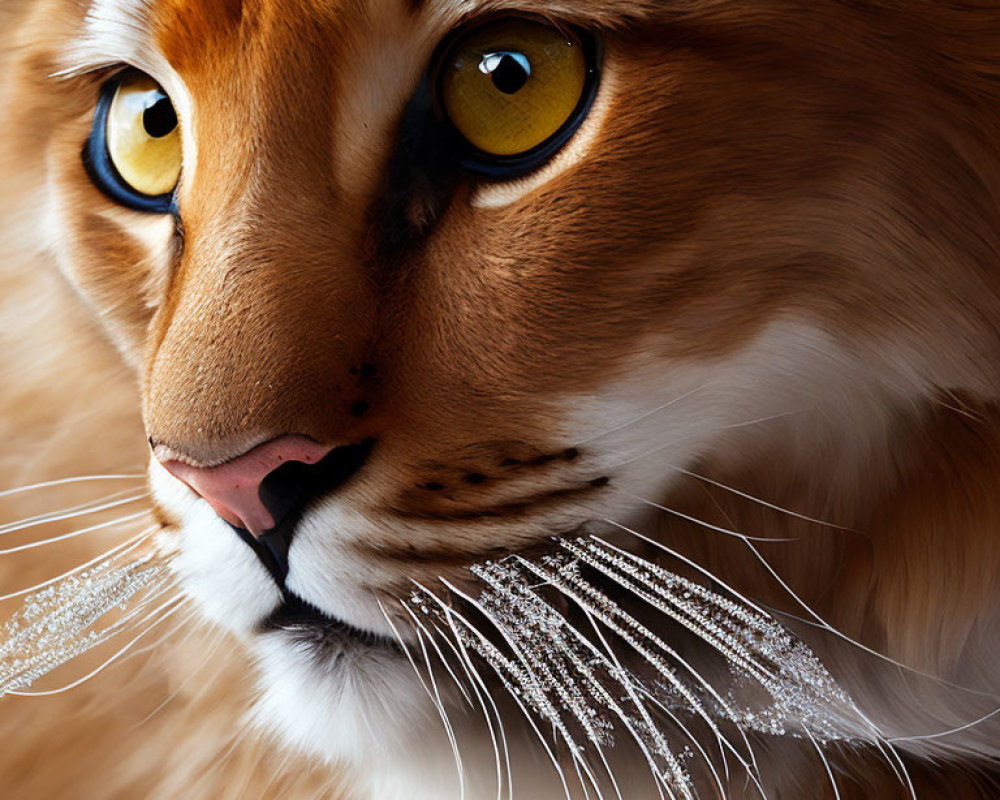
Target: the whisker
pixel 70 513
pixel 633 694
pixel 682 558
pixel 599 606
pixel 826 765
pixel 73 534
pixel 451 615
pixel 475 679
pixel 732 426
pixel 607 612
pixel 119 549
pixel 871 728
pixel 575 704
pixel 206 659
pixel 757 500
pixel 179 625
pixel 439 704
pixel 65 481
pixel 818 621
pixel 434 695
pixel 459 684
pixel 693 740
pixel 702 523
pixel 949 732
pixel 779 612
pixel 63 620
pixel 176 602
pixel 644 415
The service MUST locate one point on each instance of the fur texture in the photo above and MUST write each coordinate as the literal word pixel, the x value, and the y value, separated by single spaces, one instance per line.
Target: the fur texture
pixel 766 268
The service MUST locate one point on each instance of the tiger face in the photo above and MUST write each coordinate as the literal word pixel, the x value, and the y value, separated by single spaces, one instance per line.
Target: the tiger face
pixel 408 285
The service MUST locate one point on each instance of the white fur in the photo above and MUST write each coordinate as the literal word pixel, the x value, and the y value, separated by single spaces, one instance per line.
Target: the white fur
pixel 218 570
pixel 115 31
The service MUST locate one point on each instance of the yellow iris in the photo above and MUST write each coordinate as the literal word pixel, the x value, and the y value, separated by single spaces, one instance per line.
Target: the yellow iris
pixel 144 139
pixel 508 86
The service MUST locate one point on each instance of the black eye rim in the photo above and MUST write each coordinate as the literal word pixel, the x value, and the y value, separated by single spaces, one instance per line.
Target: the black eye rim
pixel 473 159
pixel 101 169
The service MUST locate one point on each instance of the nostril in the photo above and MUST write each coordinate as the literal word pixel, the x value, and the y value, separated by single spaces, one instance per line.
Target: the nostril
pixel 286 492
pixel 290 487
pixel 262 493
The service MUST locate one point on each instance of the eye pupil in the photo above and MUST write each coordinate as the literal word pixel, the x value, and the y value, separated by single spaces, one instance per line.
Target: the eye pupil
pixel 160 118
pixel 508 70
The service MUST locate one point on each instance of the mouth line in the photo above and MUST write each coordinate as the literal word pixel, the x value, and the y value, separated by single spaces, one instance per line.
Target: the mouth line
pixel 298 616
pixel 287 494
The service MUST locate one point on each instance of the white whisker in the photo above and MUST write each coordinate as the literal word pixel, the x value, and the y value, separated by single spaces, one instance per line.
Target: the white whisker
pixel 64 481
pixel 949 732
pixel 757 500
pixel 547 680
pixel 439 703
pixel 73 534
pixel 477 683
pixel 206 659
pixel 672 442
pixel 118 549
pixel 873 730
pixel 644 415
pixel 70 513
pixel 607 617
pixel 176 602
pixel 451 614
pixel 826 765
pixel 702 523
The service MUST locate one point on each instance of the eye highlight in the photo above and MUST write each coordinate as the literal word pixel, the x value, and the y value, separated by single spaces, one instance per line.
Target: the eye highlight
pixel 134 151
pixel 516 89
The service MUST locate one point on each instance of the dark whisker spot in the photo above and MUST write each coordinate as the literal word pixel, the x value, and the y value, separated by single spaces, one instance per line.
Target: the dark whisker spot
pixel 599 482
pixel 475 478
pixel 433 486
pixel 359 409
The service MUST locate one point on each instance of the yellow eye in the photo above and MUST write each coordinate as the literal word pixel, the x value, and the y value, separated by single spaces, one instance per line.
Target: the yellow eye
pixel 143 138
pixel 509 86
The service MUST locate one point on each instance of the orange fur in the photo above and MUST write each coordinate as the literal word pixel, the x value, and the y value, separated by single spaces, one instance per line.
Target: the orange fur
pixel 834 162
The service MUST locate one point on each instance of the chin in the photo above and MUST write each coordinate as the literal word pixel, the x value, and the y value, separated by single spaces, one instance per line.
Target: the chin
pixel 335 692
pixel 327 687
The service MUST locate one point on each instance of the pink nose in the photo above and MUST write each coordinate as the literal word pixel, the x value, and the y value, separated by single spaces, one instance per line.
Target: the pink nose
pixel 233 488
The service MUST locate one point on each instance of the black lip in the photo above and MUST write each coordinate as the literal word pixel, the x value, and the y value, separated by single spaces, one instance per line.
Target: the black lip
pixel 297 616
pixel 287 492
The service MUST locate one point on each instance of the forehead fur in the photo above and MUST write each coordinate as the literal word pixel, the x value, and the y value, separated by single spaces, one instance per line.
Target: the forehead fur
pixel 121 31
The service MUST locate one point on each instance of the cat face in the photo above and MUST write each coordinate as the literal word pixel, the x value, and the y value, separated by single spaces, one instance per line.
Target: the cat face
pixel 503 319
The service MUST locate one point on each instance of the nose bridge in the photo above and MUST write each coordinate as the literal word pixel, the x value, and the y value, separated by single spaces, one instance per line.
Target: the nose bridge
pixel 269 308
pixel 268 312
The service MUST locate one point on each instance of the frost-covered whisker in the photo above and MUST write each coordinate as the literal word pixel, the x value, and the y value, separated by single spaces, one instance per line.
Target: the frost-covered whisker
pixel 615 679
pixel 463 630
pixel 147 624
pixel 124 547
pixel 80 611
